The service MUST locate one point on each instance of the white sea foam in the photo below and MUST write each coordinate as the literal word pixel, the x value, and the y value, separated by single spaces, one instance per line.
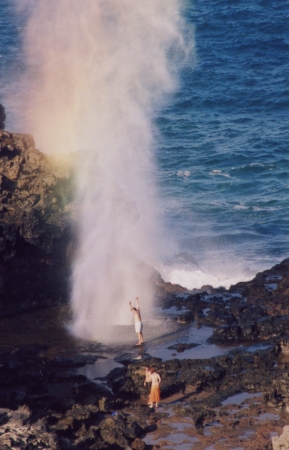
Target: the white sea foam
pixel 193 278
pixel 266 208
pixel 219 173
pixel 245 166
pixel 240 207
pixel 183 173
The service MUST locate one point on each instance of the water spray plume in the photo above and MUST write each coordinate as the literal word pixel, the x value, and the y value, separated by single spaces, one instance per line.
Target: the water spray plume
pixel 101 70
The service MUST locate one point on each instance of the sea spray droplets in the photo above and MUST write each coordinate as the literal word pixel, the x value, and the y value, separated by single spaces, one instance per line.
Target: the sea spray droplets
pixel 100 72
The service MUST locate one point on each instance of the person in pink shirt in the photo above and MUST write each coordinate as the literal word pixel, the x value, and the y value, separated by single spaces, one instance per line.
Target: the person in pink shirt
pixel 155 394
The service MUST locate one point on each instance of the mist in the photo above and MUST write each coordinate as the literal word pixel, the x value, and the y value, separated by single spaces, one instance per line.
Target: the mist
pixel 101 70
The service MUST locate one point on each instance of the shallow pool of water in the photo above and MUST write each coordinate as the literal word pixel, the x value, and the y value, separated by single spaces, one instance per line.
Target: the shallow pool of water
pixel 188 334
pixel 159 334
pixel 163 332
pixel 179 440
pixel 99 369
pixel 240 398
pixel 268 416
pixel 247 434
pixel 181 426
pixel 255 347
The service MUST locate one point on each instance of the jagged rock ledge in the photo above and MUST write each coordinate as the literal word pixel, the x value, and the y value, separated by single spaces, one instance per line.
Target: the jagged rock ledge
pixel 248 311
pixel 44 403
pixel 35 226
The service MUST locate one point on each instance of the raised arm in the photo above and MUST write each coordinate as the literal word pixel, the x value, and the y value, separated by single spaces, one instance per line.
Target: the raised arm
pixel 137 303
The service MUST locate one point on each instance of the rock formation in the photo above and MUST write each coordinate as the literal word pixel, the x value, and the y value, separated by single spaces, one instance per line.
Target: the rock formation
pixel 2 117
pixel 35 228
pixel 46 403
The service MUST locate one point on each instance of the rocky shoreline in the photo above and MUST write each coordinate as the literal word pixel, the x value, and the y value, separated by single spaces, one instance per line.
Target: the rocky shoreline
pixel 237 399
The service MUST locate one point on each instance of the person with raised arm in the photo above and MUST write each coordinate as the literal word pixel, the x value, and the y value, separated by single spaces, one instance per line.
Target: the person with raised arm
pixel 137 321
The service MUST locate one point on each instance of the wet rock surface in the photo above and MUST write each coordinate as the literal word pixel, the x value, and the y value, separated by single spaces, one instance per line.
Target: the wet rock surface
pixel 2 117
pixel 35 227
pixel 45 402
pixel 240 398
pixel 249 311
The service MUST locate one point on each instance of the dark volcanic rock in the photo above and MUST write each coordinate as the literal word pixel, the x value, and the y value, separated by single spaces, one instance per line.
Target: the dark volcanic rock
pixel 164 289
pixel 35 227
pixel 70 411
pixel 180 348
pixel 2 117
pixel 44 398
pixel 120 430
pixel 62 409
pixel 249 311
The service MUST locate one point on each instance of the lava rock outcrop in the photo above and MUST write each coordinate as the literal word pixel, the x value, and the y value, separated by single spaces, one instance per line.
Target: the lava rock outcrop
pixel 35 225
pixel 2 117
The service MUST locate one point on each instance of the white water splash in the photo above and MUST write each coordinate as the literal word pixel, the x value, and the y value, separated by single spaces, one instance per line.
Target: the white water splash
pixel 101 69
pixel 193 278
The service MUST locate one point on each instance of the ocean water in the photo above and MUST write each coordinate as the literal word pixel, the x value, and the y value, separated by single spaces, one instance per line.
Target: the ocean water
pixel 222 161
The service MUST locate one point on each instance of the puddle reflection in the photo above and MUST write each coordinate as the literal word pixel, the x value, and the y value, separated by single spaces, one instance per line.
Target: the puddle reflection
pixel 240 398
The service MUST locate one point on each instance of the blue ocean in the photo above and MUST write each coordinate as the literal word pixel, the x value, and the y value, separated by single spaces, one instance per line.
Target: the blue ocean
pixel 222 149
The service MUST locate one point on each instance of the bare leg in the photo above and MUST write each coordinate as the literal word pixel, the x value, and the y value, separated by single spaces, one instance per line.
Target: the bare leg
pixel 141 337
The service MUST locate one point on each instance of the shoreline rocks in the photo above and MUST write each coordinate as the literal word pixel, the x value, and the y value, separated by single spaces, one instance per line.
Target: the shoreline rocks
pixel 2 117
pixel 45 403
pixel 249 311
pixel 35 227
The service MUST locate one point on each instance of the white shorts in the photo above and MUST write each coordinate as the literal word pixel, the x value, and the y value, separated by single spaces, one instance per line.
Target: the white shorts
pixel 138 327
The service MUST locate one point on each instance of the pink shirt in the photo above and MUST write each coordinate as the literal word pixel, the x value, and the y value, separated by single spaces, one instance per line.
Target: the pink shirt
pixel 156 379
